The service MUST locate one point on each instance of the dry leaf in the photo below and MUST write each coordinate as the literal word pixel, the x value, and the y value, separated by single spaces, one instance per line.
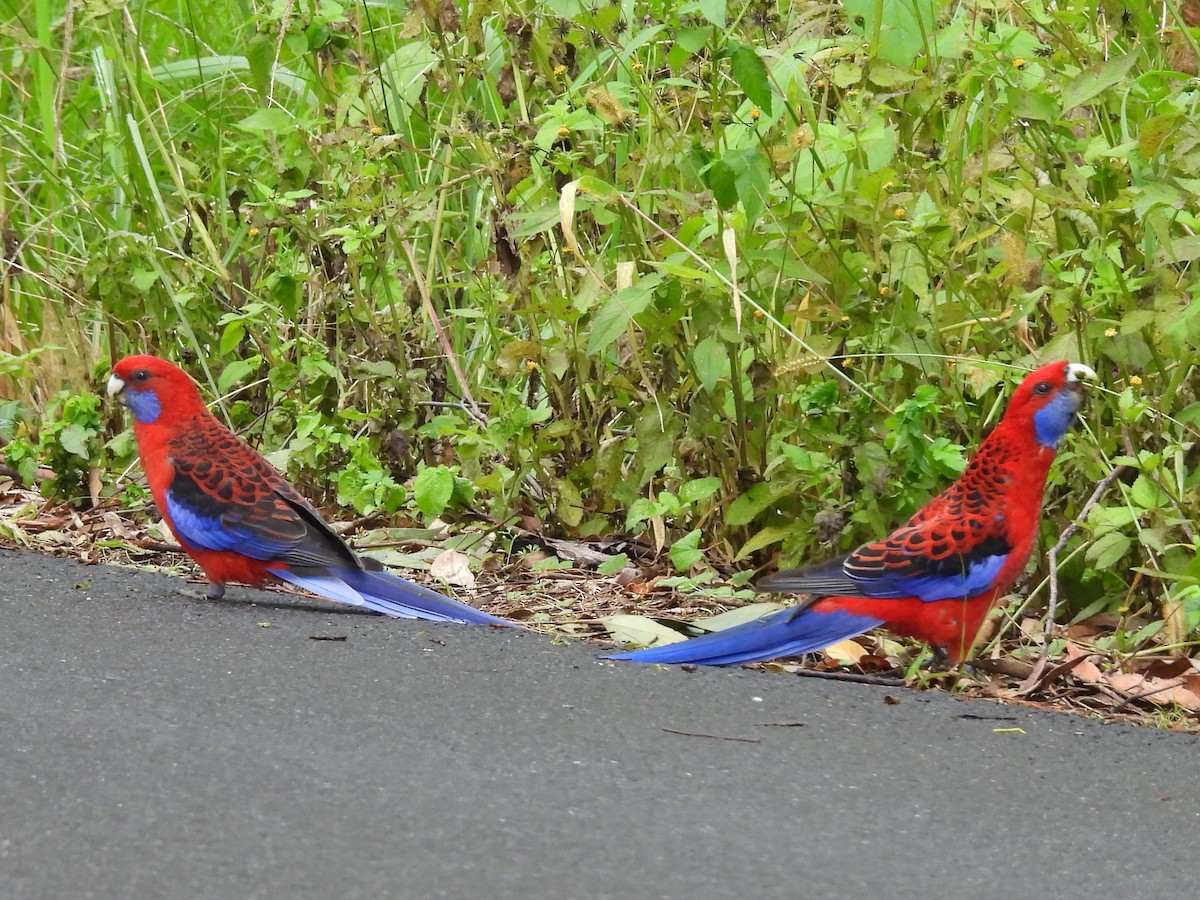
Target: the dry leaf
pixel 453 568
pixel 846 652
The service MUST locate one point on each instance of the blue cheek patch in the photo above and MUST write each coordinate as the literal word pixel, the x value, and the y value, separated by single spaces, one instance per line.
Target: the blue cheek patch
pixel 1052 420
pixel 144 404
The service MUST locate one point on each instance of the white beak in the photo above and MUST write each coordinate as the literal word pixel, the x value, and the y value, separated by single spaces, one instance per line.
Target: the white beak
pixel 1075 371
pixel 115 385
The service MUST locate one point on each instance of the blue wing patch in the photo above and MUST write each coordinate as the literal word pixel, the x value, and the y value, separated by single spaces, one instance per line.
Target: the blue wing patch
pixel 208 531
pixel 974 578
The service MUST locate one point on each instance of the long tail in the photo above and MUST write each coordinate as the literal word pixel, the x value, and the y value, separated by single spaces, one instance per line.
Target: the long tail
pixel 787 632
pixel 385 593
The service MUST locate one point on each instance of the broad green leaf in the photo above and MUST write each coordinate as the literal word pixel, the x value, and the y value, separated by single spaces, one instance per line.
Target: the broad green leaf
pixel 722 181
pixel 692 39
pixel 903 26
pixel 613 565
pixel 750 73
pixel 766 537
pixel 1148 495
pixel 1096 80
pixel 74 439
pixel 236 371
pixel 753 185
pixel 640 630
pixel 264 120
pixel 1036 105
pixel 711 359
pixel 699 489
pixel 618 311
pixel 432 489
pixel 640 510
pixel 686 551
pixel 1108 550
pixel 745 508
pixel 712 10
pixel 231 337
pixel 740 616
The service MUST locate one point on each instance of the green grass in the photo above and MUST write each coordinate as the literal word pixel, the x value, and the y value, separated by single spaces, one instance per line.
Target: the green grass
pixel 749 278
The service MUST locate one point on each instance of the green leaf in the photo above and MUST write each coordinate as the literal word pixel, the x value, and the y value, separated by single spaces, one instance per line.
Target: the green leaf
pixel 231 337
pixel 713 10
pixel 722 181
pixel 1036 105
pixel 1148 495
pixel 613 564
pixel 273 119
pixel 903 26
pixel 618 311
pixel 686 551
pixel 753 184
pixel 74 439
pixel 260 55
pixel 236 372
pixel 740 616
pixel 640 630
pixel 1108 550
pixel 1096 80
pixel 750 73
pixel 1155 131
pixel 711 359
pixel 764 538
pixel 641 510
pixel 692 39
pixel 699 489
pixel 432 489
pixel 746 508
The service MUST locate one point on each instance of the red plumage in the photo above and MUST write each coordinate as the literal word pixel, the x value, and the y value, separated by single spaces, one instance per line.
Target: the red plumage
pixel 237 517
pixel 936 577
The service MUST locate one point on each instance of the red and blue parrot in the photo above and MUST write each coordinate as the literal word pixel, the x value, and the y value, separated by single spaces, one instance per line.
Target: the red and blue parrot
pixel 238 518
pixel 937 576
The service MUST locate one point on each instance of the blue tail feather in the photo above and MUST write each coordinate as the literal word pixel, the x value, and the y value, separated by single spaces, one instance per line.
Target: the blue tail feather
pixel 386 593
pixel 787 632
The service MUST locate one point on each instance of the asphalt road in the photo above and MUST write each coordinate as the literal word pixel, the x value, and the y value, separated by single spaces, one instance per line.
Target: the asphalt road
pixel 154 746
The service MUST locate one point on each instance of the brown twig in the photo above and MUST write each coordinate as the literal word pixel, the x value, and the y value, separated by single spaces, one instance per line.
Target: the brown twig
pixel 883 680
pixel 1052 558
pixel 718 737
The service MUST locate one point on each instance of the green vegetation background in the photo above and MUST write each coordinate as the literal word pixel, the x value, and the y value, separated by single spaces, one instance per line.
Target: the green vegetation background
pixel 749 279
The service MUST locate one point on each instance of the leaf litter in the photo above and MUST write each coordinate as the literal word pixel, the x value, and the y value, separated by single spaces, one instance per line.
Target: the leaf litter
pixel 638 605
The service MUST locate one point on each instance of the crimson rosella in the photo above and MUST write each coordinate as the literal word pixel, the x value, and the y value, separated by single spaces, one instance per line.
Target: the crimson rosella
pixel 937 576
pixel 238 518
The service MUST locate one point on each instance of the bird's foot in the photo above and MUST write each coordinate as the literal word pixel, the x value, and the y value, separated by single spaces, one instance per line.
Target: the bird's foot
pixel 212 592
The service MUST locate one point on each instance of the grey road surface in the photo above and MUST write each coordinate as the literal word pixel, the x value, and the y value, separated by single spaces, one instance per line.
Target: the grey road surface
pixel 154 746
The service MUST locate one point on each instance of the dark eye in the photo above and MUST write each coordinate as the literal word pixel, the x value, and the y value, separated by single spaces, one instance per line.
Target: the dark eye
pixel 1042 387
pixel 141 376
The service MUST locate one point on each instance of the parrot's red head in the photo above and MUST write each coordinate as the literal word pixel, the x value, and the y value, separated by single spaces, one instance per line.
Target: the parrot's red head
pixel 1048 399
pixel 148 385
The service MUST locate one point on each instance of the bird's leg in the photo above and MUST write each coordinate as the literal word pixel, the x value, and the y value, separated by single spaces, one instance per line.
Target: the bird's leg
pixel 212 592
